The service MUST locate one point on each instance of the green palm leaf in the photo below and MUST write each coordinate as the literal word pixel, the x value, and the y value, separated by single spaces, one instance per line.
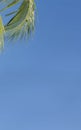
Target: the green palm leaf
pixel 1 34
pixel 22 23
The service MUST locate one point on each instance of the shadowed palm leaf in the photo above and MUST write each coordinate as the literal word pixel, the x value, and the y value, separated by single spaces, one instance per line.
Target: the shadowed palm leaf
pixel 22 20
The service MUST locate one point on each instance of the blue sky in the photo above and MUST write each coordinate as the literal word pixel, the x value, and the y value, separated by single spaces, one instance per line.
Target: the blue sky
pixel 40 81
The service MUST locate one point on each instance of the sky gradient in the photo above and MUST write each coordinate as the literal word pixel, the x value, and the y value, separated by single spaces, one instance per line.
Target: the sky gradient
pixel 40 80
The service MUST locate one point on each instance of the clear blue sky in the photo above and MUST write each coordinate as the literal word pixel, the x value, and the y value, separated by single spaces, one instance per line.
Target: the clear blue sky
pixel 40 81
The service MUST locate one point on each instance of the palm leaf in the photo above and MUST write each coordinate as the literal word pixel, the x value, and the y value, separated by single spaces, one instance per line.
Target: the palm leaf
pixel 1 34
pixel 22 23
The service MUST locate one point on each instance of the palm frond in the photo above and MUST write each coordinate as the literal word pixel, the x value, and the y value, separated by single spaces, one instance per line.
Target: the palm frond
pixel 1 34
pixel 22 23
